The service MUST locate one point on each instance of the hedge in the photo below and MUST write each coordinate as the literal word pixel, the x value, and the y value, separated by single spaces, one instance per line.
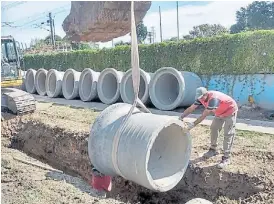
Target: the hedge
pixel 248 52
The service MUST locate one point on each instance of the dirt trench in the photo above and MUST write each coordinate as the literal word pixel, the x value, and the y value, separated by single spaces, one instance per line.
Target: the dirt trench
pixel 66 150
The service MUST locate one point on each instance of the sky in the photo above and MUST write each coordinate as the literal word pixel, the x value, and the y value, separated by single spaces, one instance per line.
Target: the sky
pixel 27 16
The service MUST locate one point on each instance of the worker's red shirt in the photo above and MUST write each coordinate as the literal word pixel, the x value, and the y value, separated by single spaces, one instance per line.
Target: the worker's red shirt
pixel 221 104
pixel 101 182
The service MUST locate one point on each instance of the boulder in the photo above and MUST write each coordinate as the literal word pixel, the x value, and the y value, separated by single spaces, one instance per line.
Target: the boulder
pixel 102 21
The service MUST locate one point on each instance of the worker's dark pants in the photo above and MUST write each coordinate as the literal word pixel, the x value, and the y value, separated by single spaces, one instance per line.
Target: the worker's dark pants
pixel 229 132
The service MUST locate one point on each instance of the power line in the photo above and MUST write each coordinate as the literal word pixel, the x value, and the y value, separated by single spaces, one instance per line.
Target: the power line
pixel 12 5
pixel 39 16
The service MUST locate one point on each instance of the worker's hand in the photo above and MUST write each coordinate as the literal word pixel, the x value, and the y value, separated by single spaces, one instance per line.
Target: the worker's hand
pixel 180 118
pixel 190 125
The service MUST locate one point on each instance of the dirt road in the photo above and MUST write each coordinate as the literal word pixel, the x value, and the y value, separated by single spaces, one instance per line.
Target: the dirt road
pixel 58 135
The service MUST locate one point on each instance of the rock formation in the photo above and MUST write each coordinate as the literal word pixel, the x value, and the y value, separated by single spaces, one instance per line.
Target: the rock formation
pixel 102 20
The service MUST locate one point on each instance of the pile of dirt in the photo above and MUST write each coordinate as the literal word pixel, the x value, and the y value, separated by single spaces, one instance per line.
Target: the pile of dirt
pixel 58 136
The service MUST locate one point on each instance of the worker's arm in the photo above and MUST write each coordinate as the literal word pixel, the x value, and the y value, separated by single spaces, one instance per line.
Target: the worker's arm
pixel 212 105
pixel 190 109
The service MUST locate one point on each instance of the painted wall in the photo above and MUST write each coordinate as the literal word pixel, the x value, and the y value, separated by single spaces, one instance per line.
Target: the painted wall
pixel 259 86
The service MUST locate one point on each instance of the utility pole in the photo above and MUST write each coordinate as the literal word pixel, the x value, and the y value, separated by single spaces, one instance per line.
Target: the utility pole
pixel 150 37
pixel 153 34
pixel 177 22
pixel 51 30
pixel 160 24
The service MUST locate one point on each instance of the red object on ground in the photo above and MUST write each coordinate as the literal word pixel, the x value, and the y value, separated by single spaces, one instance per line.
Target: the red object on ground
pixel 101 182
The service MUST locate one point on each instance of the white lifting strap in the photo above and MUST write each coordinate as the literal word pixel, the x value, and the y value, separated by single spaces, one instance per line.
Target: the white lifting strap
pixel 136 83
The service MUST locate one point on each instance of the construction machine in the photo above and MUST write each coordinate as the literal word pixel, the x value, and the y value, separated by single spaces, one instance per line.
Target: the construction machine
pixel 13 98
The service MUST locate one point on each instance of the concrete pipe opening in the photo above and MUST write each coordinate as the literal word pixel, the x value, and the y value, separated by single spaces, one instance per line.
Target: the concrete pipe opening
pixel 126 88
pixel 54 83
pixel 70 84
pixel 153 150
pixel 168 156
pixel 88 85
pixel 170 88
pixel 40 81
pixel 30 81
pixel 108 87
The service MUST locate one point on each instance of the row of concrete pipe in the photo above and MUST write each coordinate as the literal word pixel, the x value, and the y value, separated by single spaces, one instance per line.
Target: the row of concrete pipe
pixel 166 89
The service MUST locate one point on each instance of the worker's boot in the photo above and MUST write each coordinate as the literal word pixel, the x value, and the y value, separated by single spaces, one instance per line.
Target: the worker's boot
pixel 211 153
pixel 224 163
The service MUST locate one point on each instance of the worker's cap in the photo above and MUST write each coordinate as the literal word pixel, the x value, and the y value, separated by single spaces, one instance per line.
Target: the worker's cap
pixel 200 92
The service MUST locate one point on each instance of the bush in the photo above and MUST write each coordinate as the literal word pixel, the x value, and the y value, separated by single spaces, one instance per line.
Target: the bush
pixel 248 52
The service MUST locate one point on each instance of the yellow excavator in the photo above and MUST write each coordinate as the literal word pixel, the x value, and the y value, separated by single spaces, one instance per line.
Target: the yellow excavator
pixel 13 98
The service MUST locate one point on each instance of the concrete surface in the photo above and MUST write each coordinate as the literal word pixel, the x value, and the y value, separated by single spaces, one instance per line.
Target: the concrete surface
pixel 88 85
pixel 54 83
pixel 242 124
pixel 30 81
pixel 108 86
pixel 70 84
pixel 170 88
pixel 40 81
pixel 126 87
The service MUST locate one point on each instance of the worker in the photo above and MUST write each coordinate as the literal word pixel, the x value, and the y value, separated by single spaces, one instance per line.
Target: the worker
pixel 225 109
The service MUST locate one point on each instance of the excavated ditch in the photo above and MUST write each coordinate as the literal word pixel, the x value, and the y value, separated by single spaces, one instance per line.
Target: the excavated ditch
pixel 67 151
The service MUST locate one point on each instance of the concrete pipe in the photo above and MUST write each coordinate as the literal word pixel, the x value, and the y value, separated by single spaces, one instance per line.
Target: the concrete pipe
pixel 198 201
pixel 126 88
pixel 170 88
pixel 108 86
pixel 40 81
pixel 29 83
pixel 88 85
pixel 54 83
pixel 23 74
pixel 70 84
pixel 153 150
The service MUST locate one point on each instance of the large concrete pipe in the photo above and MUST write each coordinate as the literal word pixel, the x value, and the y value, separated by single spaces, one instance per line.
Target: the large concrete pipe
pixel 40 81
pixel 153 150
pixel 54 83
pixel 23 74
pixel 70 84
pixel 29 82
pixel 170 88
pixel 108 86
pixel 88 85
pixel 126 88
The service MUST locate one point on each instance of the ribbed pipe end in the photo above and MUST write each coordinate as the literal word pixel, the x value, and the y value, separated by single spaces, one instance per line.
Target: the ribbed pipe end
pixel 40 81
pixel 70 84
pixel 126 88
pixel 108 86
pixel 30 81
pixel 88 85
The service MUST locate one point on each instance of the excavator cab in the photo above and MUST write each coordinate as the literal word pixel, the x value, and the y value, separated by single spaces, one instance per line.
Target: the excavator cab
pixel 12 98
pixel 11 56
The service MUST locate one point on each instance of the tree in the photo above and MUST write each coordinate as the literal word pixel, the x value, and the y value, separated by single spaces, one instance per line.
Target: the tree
pixel 141 31
pixel 81 46
pixel 206 30
pixel 121 43
pixel 258 15
pixel 48 39
pixel 36 43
